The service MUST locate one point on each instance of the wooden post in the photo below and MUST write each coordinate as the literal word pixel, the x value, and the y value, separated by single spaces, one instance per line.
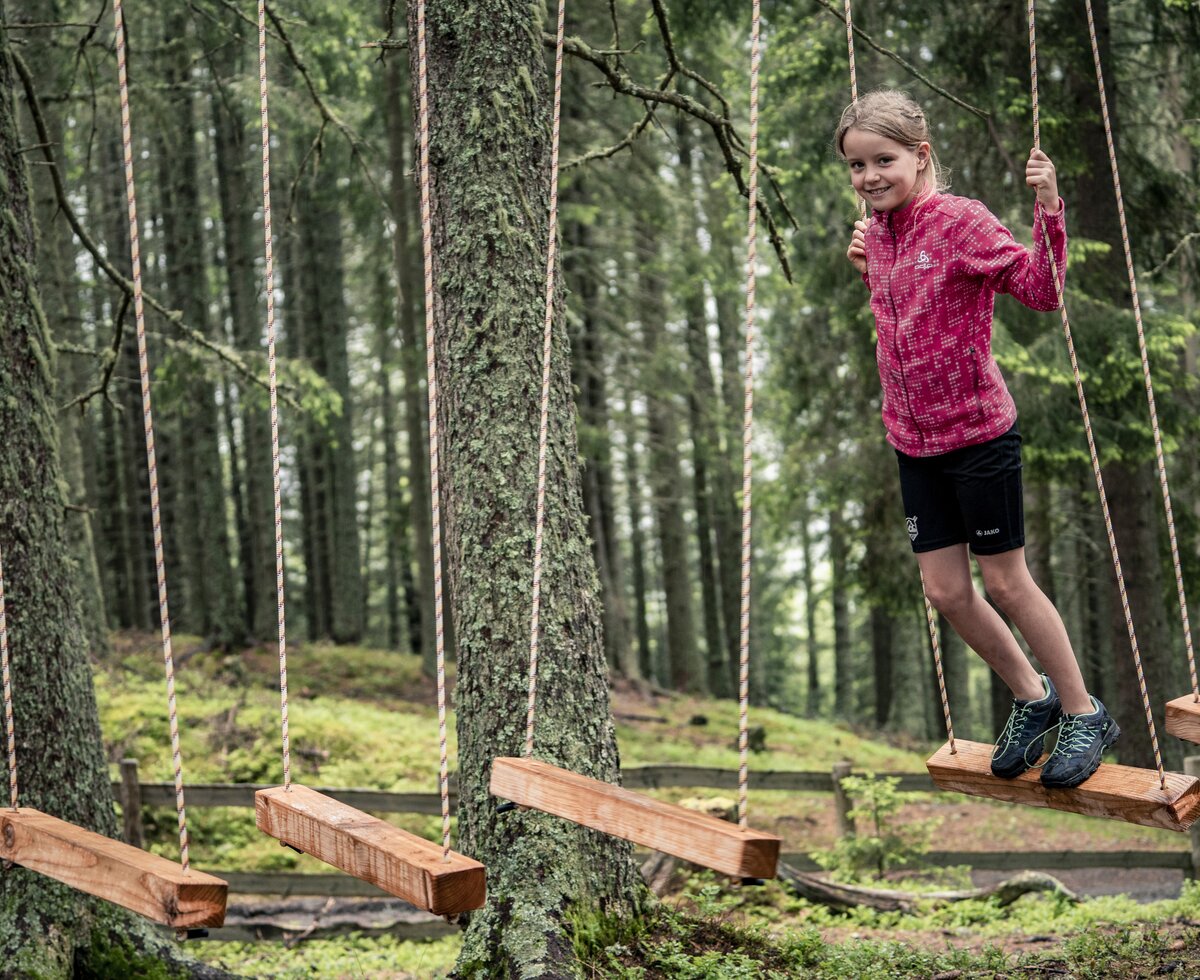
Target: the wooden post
pixel 1191 766
pixel 131 804
pixel 842 804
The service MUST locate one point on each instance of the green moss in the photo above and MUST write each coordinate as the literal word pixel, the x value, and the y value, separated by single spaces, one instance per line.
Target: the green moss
pixel 112 955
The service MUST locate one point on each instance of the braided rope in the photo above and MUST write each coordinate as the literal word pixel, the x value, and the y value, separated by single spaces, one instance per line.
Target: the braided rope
pixel 148 419
pixel 431 376
pixel 1087 426
pixel 269 275
pixel 748 426
pixel 1141 334
pixel 9 730
pixel 543 427
pixel 930 618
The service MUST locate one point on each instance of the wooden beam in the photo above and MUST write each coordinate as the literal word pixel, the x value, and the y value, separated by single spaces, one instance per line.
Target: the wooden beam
pixel 146 883
pixel 1183 718
pixel 1116 792
pixel 366 847
pixel 695 837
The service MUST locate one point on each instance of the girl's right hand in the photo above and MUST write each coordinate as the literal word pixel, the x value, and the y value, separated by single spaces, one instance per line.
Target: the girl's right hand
pixel 857 252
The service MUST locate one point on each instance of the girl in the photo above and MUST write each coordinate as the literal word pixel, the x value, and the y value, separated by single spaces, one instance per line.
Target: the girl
pixel 933 263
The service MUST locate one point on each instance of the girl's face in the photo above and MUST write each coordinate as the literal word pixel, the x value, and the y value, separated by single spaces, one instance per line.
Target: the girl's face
pixel 886 174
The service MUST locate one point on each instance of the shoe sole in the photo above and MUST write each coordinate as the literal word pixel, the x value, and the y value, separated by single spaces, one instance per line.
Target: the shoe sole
pixel 1107 742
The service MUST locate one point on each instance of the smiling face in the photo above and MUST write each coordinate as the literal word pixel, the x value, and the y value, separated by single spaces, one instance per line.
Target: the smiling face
pixel 886 174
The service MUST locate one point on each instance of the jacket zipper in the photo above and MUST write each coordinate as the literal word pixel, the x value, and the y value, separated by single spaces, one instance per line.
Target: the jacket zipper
pixel 896 329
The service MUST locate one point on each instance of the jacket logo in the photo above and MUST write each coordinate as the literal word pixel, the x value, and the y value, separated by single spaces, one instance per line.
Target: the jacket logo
pixel 911 524
pixel 924 261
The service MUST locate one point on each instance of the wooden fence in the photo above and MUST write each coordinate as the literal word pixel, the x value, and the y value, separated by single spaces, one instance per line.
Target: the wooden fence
pixel 134 795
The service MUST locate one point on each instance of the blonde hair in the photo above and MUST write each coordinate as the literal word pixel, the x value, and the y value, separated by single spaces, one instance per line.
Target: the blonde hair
pixel 895 116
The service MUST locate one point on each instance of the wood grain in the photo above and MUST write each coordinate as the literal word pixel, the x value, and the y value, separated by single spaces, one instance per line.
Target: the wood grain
pixel 695 837
pixel 1183 718
pixel 146 883
pixel 366 847
pixel 1115 792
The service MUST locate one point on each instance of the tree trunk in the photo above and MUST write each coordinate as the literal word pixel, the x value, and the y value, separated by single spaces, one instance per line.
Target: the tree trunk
pixel 489 120
pixel 201 527
pixel 666 477
pixel 812 701
pixel 637 549
pixel 839 585
pixel 702 402
pixel 409 303
pixel 595 442
pixel 62 769
pixel 954 666
pixel 242 239
pixel 58 283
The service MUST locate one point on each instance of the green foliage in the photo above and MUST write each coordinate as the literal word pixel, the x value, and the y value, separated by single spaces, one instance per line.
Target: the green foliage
pixel 882 842
pixel 378 957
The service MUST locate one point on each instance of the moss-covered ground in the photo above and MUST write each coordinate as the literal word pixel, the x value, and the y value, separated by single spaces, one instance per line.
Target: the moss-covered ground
pixel 361 717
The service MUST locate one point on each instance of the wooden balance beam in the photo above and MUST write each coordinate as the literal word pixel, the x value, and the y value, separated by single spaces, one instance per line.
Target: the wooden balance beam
pixel 145 883
pixel 1116 792
pixel 1183 718
pixel 695 837
pixel 371 849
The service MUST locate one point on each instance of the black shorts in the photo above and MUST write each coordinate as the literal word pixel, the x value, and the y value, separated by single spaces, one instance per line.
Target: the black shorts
pixel 970 495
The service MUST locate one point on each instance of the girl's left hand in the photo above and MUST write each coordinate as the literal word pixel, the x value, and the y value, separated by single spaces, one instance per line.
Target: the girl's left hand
pixel 1039 174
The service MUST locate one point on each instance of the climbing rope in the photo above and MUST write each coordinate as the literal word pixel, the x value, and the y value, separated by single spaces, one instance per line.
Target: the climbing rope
pixel 148 420
pixel 748 426
pixel 9 730
pixel 1141 334
pixel 543 427
pixel 432 385
pixel 269 275
pixel 930 617
pixel 1087 425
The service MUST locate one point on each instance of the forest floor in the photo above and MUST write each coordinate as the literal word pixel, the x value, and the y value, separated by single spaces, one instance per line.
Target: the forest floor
pixel 365 718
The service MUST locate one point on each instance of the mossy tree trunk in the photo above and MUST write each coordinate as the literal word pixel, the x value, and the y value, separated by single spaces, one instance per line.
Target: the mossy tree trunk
pixel 490 124
pixel 60 759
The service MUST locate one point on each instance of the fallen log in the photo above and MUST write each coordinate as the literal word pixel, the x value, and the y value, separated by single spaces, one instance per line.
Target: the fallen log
pixel 840 896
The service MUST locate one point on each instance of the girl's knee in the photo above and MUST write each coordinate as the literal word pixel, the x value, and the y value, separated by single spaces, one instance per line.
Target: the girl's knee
pixel 950 597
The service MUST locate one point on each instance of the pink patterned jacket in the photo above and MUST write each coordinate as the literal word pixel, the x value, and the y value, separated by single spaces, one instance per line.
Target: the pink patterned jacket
pixel 933 268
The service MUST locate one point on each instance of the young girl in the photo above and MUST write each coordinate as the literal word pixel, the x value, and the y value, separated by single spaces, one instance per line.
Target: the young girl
pixel 933 263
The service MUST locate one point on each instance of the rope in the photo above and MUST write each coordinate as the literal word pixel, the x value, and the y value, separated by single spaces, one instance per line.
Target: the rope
pixel 748 427
pixel 431 376
pixel 9 730
pixel 269 243
pixel 930 618
pixel 1087 426
pixel 543 427
pixel 1137 316
pixel 148 418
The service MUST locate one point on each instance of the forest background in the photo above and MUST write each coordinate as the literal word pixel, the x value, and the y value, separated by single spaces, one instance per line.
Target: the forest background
pixel 653 265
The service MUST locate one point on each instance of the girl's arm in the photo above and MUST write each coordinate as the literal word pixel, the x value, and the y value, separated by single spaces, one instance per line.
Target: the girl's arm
pixel 990 251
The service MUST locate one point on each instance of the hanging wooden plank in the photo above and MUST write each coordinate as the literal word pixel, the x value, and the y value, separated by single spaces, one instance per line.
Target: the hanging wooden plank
pixel 1116 792
pixel 145 883
pixel 695 837
pixel 366 847
pixel 1183 718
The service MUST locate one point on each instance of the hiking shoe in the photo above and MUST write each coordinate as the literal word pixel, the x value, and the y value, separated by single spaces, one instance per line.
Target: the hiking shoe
pixel 1020 744
pixel 1082 740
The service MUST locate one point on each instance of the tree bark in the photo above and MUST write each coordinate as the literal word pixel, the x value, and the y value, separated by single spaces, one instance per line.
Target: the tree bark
pixel 489 122
pixel 62 769
pixel 839 584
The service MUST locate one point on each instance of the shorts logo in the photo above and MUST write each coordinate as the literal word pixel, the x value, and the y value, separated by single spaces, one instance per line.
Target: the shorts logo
pixel 988 533
pixel 911 524
pixel 924 262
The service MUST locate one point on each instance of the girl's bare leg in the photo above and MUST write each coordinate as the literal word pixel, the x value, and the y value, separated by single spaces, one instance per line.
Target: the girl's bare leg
pixel 948 584
pixel 1008 582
